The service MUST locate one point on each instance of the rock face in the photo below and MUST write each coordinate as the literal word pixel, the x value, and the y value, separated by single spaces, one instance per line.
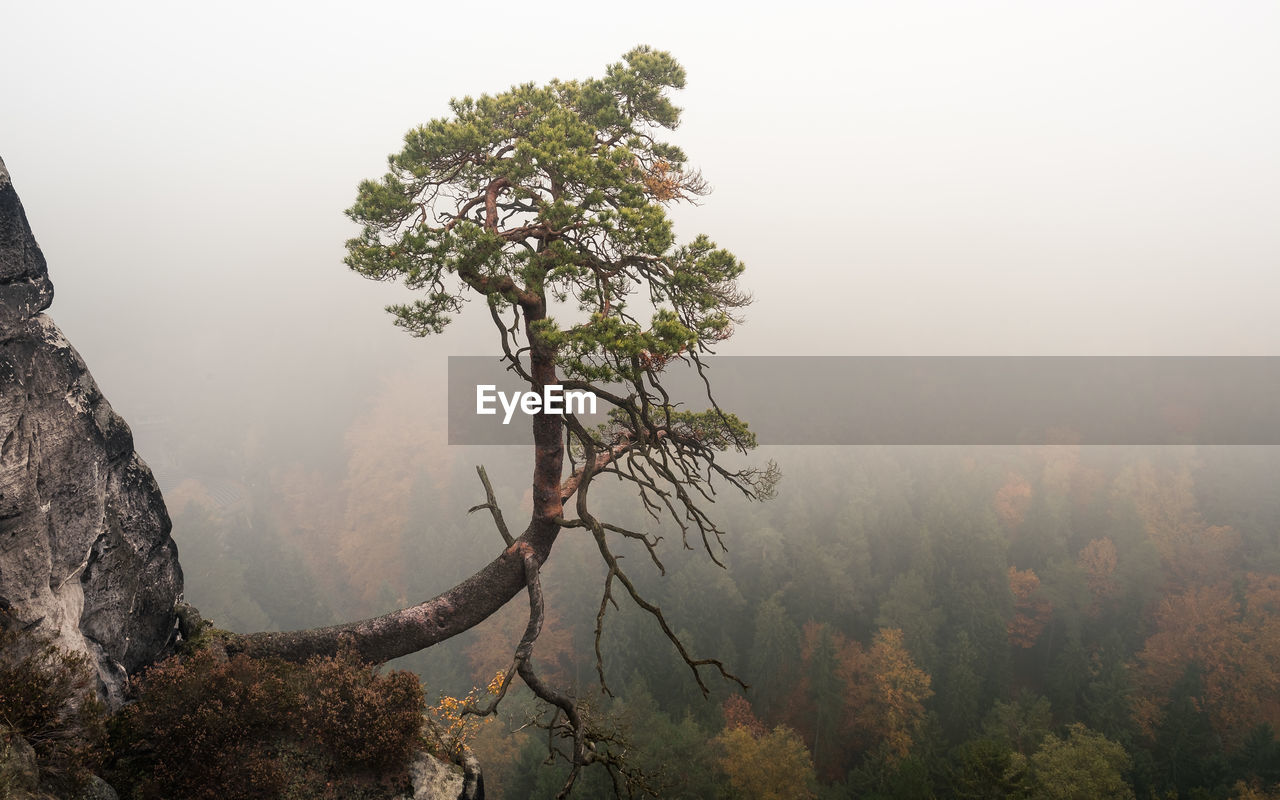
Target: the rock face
pixel 85 551
pixel 433 779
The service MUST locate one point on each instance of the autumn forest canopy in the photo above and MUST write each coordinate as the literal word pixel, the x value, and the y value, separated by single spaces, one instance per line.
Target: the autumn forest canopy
pixel 912 622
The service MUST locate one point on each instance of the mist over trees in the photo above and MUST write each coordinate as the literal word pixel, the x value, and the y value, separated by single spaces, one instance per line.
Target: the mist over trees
pixel 913 622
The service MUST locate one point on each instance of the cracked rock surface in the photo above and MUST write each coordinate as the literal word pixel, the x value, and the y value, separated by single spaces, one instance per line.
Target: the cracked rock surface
pixel 85 551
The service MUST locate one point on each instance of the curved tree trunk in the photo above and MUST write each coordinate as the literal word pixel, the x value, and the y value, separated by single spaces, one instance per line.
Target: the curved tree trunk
pixel 466 605
pixel 409 630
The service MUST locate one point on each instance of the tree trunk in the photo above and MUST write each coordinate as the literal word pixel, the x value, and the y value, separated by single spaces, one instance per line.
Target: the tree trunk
pixel 409 630
pixel 466 605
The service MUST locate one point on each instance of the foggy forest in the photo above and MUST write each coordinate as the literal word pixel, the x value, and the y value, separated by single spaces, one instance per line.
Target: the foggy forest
pixel 230 205
pixel 1007 595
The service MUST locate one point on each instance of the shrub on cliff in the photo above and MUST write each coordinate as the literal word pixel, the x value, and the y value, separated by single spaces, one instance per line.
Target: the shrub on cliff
pixel 208 727
pixel 47 698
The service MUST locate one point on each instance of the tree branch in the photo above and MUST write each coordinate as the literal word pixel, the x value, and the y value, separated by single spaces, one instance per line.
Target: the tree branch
pixel 491 503
pixel 408 630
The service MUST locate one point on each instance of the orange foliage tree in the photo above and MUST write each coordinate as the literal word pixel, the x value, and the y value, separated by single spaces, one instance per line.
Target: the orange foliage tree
pixel 886 693
pixel 451 725
pixel 738 713
pixel 1030 611
pixel 1012 501
pixel 1193 552
pixel 1234 641
pixel 771 766
pixel 882 694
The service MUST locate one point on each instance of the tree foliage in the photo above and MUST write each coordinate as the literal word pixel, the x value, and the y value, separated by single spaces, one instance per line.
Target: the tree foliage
pixel 554 191
pixel 771 766
pixel 889 692
pixel 1232 641
pixel 1084 765
pixel 1031 612
pixel 933 560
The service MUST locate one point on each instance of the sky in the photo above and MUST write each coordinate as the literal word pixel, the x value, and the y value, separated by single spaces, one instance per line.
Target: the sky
pixel 900 178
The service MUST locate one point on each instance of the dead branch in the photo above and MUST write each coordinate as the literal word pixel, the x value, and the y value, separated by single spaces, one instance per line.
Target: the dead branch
pixel 491 503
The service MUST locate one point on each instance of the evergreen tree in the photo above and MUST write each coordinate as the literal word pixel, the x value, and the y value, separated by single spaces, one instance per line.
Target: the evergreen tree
pixel 775 649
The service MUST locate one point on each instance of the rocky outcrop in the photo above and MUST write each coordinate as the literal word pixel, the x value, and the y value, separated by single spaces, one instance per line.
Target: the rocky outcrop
pixel 85 551
pixel 434 779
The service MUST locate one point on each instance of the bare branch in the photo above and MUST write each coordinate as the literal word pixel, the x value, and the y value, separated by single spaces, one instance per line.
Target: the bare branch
pixel 605 599
pixel 615 570
pixel 491 503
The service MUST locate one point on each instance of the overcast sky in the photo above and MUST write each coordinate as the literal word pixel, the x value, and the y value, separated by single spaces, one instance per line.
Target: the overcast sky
pixel 899 177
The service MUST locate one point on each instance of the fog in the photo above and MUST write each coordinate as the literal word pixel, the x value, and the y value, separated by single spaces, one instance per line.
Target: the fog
pixel 900 178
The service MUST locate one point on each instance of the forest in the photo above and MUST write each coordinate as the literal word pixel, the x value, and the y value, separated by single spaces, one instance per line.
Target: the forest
pixel 1037 621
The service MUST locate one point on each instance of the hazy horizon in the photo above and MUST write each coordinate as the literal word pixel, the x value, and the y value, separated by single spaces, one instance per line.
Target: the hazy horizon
pixel 900 179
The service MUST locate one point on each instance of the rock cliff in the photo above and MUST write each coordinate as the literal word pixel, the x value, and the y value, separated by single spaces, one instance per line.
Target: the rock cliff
pixel 85 551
